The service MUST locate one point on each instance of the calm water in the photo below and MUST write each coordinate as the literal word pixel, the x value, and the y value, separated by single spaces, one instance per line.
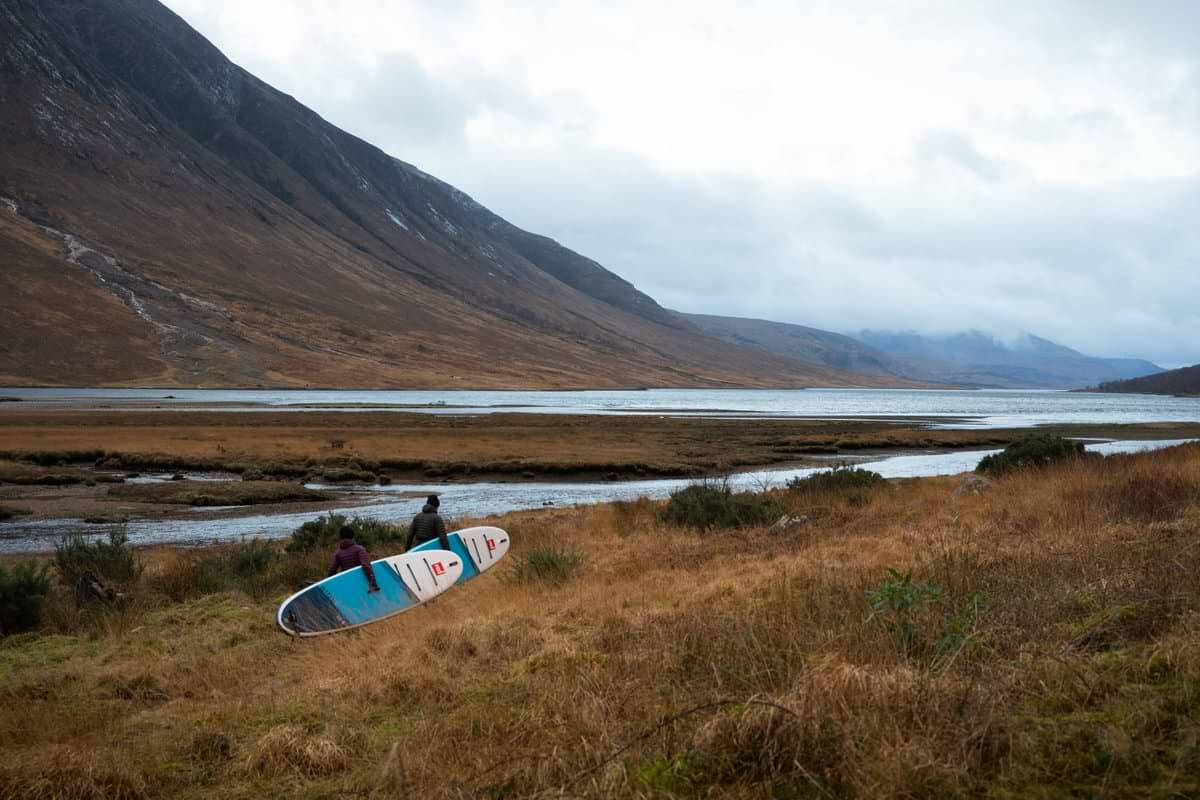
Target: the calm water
pixel 477 500
pixel 944 408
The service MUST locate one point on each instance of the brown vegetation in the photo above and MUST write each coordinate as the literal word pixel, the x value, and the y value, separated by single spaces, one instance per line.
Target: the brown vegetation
pixel 214 493
pixel 1041 638
pixel 478 447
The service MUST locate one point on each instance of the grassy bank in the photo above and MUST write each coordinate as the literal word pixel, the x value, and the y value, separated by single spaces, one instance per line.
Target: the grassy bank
pixel 1038 638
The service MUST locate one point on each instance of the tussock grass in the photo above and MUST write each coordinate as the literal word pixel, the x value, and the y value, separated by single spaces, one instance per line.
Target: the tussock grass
pixel 548 565
pixel 293 749
pixel 67 773
pixel 1039 639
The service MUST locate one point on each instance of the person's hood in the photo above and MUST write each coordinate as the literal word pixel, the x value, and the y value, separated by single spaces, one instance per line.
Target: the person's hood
pixel 344 543
pixel 428 509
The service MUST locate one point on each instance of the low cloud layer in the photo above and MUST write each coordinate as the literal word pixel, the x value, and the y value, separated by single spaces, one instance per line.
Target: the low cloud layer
pixel 927 166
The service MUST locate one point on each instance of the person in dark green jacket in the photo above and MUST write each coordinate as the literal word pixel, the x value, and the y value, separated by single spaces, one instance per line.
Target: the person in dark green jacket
pixel 428 525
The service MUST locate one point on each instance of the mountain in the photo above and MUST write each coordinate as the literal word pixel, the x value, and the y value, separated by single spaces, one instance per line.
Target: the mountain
pixel 972 359
pixel 806 344
pixel 979 359
pixel 1184 381
pixel 166 218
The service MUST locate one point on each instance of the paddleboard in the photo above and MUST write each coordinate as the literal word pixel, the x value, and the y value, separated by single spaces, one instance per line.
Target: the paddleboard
pixel 341 602
pixel 479 548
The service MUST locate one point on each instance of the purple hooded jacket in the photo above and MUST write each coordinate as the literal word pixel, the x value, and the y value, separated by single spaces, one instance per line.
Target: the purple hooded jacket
pixel 349 555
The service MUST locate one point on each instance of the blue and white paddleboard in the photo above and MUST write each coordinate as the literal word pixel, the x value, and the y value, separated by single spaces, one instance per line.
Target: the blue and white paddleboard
pixel 342 602
pixel 479 548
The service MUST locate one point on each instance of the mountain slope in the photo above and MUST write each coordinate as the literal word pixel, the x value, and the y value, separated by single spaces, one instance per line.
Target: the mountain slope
pixel 1183 381
pixel 167 218
pixel 801 342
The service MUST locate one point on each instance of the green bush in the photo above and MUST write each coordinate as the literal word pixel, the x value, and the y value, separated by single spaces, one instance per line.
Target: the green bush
pixel 251 558
pixel 245 566
pixel 1035 450
pixel 712 504
pixel 553 565
pixel 22 595
pixel 898 605
pixel 323 532
pixel 841 478
pixel 113 560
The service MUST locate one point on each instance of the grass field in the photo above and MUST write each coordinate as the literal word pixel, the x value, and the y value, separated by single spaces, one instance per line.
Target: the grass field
pixel 1038 639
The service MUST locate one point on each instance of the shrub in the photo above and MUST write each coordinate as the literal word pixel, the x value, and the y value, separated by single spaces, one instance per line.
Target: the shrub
pixel 243 566
pixel 7 513
pixel 1035 450
pixel 323 532
pixel 898 603
pixel 113 560
pixel 22 595
pixel 708 505
pixel 553 565
pixel 841 478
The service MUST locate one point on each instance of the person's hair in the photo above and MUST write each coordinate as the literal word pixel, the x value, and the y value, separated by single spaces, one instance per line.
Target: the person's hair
pixel 346 532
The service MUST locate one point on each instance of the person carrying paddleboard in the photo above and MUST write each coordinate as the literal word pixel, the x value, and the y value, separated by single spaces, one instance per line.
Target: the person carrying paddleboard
pixel 428 525
pixel 350 554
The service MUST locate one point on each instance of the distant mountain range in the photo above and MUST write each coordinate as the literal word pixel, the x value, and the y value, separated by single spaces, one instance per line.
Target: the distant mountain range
pixel 971 359
pixel 979 359
pixel 1184 381
pixel 166 218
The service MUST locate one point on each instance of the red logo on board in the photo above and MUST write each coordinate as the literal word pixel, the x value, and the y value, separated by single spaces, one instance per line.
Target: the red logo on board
pixel 491 544
pixel 438 569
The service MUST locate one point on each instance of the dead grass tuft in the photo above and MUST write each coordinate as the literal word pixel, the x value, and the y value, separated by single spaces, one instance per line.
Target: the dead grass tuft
pixel 291 749
pixel 65 773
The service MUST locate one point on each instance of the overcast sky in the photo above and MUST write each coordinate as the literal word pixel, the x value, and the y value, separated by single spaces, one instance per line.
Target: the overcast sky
pixel 934 166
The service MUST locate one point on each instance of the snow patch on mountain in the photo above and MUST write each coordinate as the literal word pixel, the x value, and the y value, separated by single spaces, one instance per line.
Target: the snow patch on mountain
pixel 395 218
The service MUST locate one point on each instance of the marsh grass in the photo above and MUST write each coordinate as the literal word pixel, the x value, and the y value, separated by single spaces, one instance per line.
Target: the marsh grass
pixel 1061 659
pixel 546 565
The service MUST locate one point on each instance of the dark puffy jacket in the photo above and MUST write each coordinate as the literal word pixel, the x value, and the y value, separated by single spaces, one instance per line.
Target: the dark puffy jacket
pixel 425 526
pixel 350 554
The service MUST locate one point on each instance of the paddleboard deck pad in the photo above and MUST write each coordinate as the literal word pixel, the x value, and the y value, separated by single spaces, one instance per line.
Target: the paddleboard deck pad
pixel 342 601
pixel 479 548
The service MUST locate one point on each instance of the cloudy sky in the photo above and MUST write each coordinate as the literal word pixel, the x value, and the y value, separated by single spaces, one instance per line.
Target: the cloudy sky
pixel 934 166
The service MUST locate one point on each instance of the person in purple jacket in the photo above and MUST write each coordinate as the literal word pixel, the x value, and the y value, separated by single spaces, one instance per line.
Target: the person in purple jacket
pixel 350 554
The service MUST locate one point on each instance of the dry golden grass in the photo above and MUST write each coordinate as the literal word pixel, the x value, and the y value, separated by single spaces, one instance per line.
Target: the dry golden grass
pixel 545 444
pixel 1062 660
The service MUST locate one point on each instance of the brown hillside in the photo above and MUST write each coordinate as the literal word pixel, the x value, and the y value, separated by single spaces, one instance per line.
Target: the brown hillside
pixel 167 218
pixel 1183 381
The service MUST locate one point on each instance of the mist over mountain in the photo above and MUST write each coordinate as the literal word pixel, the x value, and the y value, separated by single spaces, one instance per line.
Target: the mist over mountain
pixel 972 359
pixel 980 359
pixel 167 218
